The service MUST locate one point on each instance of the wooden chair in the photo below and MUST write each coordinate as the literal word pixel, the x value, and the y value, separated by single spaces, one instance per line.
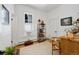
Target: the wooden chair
pixel 55 44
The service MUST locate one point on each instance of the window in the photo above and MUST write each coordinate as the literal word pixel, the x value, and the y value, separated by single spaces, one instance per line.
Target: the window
pixel 28 23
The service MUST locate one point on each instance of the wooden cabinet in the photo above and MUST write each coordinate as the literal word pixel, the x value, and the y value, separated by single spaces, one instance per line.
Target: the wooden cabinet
pixel 69 47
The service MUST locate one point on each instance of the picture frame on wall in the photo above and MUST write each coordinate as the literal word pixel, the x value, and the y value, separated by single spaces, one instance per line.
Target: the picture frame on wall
pixel 28 18
pixel 66 21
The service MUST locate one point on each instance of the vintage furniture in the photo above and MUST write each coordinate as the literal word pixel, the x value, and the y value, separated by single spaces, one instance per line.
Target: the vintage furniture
pixel 41 31
pixel 55 44
pixel 69 47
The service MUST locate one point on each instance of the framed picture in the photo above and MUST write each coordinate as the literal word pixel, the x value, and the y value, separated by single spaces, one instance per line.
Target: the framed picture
pixel 66 21
pixel 28 18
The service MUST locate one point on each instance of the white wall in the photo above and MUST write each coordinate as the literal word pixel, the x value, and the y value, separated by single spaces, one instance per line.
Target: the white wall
pixel 5 34
pixel 52 20
pixel 61 12
pixel 19 33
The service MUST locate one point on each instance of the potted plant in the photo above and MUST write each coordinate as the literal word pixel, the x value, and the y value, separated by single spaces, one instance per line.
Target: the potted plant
pixel 9 51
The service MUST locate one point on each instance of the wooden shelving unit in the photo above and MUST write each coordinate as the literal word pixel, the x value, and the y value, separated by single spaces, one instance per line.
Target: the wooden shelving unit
pixel 41 31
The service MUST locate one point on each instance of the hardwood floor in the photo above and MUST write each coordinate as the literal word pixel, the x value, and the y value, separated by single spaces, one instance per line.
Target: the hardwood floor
pixel 22 45
pixel 35 48
pixel 18 47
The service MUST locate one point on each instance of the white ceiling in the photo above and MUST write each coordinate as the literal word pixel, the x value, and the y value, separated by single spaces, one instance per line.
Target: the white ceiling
pixel 44 7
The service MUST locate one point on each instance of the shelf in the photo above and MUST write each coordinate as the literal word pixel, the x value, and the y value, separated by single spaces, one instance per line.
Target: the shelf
pixel 41 30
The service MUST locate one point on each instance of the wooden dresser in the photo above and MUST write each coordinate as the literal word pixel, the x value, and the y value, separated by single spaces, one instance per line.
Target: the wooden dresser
pixel 69 47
